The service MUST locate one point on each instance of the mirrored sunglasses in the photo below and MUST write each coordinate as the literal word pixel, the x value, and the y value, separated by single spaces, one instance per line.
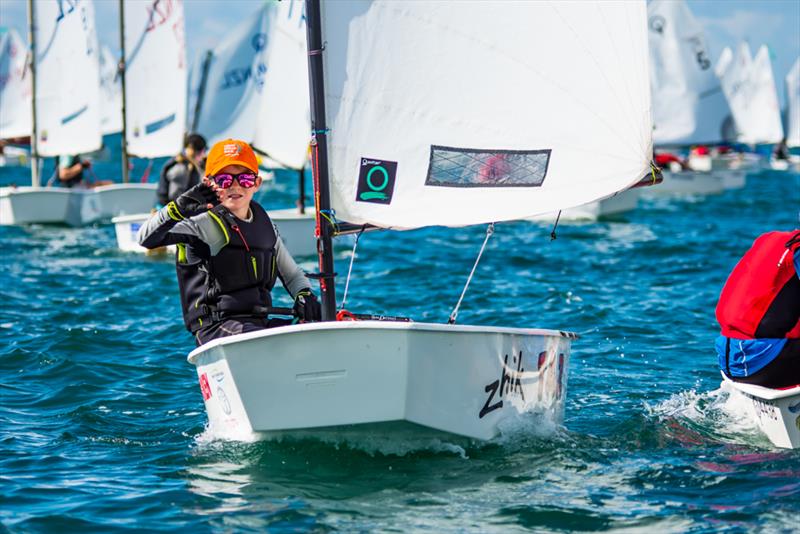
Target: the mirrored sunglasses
pixel 245 179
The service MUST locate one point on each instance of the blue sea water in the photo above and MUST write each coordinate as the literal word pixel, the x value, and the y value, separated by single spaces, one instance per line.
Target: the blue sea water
pixel 102 421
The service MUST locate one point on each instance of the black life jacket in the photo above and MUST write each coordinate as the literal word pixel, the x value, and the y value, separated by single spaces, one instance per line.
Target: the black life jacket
pixel 237 281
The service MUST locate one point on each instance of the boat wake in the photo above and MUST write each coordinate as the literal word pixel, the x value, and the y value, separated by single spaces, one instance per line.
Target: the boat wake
pixel 715 416
pixel 398 438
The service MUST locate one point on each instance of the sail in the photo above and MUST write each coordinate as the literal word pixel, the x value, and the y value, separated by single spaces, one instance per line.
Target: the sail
pixel 235 81
pixel 749 86
pixel 110 93
pixel 688 104
pixel 257 85
pixel 15 86
pixel 155 77
pixel 793 105
pixel 733 72
pixel 447 113
pixel 67 78
pixel 284 121
pixel 766 125
pixel 194 81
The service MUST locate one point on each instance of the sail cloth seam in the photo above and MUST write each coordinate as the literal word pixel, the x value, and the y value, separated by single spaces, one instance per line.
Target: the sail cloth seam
pixel 454 313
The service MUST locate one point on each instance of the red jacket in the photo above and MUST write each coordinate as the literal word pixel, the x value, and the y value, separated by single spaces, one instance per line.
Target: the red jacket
pixel 761 298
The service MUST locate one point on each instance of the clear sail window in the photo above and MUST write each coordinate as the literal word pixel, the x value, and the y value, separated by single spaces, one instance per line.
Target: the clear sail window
pixel 470 167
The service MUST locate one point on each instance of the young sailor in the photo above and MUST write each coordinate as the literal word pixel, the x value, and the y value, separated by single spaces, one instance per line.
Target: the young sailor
pixel 69 170
pixel 759 312
pixel 229 252
pixel 182 172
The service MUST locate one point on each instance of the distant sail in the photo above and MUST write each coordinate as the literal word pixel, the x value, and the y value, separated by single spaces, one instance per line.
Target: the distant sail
pixel 749 86
pixel 793 105
pixel 733 71
pixel 67 78
pixel 110 93
pixel 767 126
pixel 257 85
pixel 688 104
pixel 15 86
pixel 459 113
pixel 235 81
pixel 284 124
pixel 155 77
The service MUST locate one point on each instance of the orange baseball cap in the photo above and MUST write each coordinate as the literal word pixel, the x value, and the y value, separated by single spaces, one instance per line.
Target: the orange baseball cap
pixel 230 152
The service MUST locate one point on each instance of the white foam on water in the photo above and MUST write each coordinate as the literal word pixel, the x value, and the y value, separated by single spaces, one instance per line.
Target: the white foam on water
pixel 384 440
pixel 717 414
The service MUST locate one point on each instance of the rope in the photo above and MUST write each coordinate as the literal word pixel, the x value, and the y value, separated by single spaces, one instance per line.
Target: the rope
pixel 350 269
pixel 454 314
pixel 553 231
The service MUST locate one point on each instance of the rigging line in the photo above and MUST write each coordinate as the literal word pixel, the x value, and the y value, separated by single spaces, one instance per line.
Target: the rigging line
pixel 454 314
pixel 350 269
pixel 553 231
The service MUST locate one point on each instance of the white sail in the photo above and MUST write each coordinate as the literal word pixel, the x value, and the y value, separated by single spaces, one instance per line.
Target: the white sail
pixel 766 112
pixel 487 114
pixel 284 123
pixel 67 78
pixel 235 81
pixel 749 86
pixel 688 104
pixel 155 77
pixel 194 80
pixel 110 93
pixel 733 72
pixel 793 105
pixel 15 86
pixel 261 72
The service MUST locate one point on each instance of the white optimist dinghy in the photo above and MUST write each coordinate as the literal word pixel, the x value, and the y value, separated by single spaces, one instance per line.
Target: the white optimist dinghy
pixel 66 121
pixel 775 411
pixel 441 113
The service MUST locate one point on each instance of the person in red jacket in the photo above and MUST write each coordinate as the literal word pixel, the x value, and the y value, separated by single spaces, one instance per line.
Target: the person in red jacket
pixel 759 312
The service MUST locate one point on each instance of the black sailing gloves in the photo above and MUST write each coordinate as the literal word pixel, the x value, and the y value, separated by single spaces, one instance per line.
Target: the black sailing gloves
pixel 306 307
pixel 193 201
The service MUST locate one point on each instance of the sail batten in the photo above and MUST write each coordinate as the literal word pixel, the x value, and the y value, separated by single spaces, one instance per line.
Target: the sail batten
pixel 483 112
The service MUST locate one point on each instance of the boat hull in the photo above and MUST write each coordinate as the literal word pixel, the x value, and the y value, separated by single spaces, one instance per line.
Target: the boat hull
pixel 775 411
pixel 71 206
pixel 124 199
pixel 622 202
pixel 689 183
pixel 462 380
pixel 296 231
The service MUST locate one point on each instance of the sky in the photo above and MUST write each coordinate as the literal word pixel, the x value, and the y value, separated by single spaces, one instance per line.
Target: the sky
pixel 772 22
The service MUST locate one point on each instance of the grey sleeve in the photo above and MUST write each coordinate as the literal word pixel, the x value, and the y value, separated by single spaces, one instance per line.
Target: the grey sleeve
pixel 161 229
pixel 205 228
pixel 292 276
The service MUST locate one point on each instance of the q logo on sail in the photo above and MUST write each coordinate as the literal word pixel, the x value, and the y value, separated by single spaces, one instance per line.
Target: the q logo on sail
pixel 376 181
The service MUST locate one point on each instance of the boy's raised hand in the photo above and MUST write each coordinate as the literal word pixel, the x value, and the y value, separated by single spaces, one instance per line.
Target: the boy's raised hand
pixel 197 199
